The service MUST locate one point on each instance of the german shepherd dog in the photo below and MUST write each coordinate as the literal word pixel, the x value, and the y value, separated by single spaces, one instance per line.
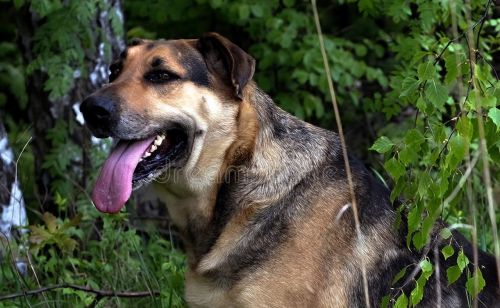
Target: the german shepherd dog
pixel 261 198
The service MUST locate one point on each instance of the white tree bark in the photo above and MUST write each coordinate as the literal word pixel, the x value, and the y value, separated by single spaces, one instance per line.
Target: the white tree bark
pixel 12 207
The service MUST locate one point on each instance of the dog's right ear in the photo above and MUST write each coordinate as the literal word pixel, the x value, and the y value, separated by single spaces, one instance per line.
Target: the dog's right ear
pixel 227 60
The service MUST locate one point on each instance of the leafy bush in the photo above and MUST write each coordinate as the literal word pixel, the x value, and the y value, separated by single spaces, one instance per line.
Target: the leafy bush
pixel 415 79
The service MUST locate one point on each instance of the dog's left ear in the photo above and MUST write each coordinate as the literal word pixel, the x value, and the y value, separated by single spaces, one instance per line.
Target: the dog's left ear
pixel 227 60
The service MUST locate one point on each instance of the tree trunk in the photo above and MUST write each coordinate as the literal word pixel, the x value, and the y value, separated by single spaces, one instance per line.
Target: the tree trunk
pixel 12 210
pixel 46 112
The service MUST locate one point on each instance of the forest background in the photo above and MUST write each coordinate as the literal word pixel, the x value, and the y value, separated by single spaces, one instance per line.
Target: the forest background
pixel 419 94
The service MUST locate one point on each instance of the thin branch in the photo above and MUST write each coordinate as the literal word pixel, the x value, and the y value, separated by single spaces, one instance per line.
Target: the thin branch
pixel 437 274
pixel 461 181
pixel 483 149
pixel 481 24
pixel 470 197
pixel 480 55
pixel 344 148
pixel 456 38
pixel 99 293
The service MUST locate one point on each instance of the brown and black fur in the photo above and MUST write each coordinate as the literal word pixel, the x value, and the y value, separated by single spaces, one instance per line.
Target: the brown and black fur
pixel 263 204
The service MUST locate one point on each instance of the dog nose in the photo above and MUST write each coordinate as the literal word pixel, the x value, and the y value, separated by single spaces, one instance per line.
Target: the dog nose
pixel 99 114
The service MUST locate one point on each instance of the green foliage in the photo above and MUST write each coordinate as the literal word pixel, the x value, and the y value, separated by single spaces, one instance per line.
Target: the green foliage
pixel 475 283
pixel 401 73
pixel 427 163
pixel 116 258
pixel 74 244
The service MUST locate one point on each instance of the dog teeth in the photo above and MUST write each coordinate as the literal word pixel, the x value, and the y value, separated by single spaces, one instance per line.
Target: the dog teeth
pixel 156 143
pixel 159 139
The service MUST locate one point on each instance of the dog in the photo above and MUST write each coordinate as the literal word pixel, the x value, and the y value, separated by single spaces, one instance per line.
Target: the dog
pixel 260 198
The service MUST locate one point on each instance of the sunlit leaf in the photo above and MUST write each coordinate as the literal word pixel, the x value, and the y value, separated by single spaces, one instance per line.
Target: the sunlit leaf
pixel 462 260
pixel 416 294
pixel 447 251
pixel 426 71
pixel 394 168
pixel 401 302
pixel 453 273
pixel 382 145
pixel 436 93
pixel 494 115
pixel 471 285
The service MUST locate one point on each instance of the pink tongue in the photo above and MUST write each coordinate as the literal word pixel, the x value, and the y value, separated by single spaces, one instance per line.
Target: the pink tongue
pixel 114 185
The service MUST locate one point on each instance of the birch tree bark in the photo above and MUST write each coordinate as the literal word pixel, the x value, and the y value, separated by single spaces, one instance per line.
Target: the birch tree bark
pixel 101 40
pixel 12 209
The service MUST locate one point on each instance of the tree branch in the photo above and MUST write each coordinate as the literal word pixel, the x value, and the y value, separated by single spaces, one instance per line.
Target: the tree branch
pixel 99 293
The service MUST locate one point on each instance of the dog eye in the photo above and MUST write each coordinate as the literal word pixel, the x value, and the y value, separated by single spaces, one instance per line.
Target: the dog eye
pixel 115 70
pixel 160 76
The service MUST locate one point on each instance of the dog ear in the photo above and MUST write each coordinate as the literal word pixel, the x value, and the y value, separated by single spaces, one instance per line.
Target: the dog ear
pixel 227 60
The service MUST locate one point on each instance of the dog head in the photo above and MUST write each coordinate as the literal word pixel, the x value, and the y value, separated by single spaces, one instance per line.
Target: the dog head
pixel 166 102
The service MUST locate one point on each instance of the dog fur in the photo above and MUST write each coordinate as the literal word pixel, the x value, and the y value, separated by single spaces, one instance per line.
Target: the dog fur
pixel 262 200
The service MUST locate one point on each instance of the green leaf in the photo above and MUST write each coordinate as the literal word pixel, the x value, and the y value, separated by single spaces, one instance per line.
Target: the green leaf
pixel 416 294
pixel 66 244
pixel 436 93
pixel 401 302
pixel 414 138
pixel 39 235
pixel 407 156
pixel 426 266
pixel 399 10
pixel 243 11
pixel 478 100
pixel 445 233
pixel 426 71
pixel 494 115
pixel 398 276
pixel 257 10
pixel 488 101
pixel 424 182
pixel 50 222
pixel 116 22
pixel 382 145
pixel 394 168
pixel 464 127
pixel 450 61
pixel 427 12
pixel 360 50
pixel 414 218
pixel 427 269
pixel 447 251
pixel 419 239
pixel 462 260
pixel 300 75
pixel 474 291
pixel 453 273
pixel 457 148
pixel 409 87
pixel 421 104
pixel 482 72
pixel 385 301
pixel 18 3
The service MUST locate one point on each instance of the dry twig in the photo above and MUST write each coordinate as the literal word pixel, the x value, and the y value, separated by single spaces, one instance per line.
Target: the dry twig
pixel 99 293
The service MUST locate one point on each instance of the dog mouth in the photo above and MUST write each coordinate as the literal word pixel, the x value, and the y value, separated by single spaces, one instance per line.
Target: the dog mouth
pixel 133 163
pixel 166 150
